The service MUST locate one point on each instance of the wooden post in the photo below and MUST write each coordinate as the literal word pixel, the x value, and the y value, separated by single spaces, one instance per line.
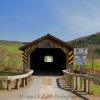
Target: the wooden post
pixel 89 86
pixel 76 83
pixel 1 84
pixel 29 78
pixel 84 85
pixel 66 78
pixel 17 84
pixel 26 81
pixel 8 84
pixel 71 81
pixel 22 82
pixel 81 83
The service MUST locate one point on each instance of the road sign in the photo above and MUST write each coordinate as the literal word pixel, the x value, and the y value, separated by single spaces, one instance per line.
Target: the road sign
pixel 80 55
pixel 80 51
pixel 80 61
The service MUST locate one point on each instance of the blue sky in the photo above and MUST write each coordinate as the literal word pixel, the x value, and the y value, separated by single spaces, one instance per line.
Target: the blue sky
pixel 26 20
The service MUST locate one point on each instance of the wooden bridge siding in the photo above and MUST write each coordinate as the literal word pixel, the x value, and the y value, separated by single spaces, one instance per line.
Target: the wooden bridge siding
pixel 43 44
pixel 74 81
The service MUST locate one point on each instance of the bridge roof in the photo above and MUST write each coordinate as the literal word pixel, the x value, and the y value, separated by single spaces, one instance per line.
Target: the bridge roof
pixel 48 36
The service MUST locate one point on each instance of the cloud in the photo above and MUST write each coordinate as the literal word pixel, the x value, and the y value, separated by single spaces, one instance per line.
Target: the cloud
pixel 79 19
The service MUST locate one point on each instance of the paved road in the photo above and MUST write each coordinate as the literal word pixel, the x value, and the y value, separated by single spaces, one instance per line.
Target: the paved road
pixel 40 88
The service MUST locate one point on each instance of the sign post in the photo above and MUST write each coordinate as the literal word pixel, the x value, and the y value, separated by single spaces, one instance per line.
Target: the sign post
pixel 80 57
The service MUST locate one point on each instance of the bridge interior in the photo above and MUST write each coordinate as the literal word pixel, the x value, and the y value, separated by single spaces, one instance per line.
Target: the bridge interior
pixel 48 60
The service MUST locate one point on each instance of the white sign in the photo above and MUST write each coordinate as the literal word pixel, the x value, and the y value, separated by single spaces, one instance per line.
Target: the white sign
pixel 80 61
pixel 80 51
pixel 80 55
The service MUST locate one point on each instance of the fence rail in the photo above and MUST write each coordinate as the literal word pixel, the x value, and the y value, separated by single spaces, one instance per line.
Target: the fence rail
pixel 20 80
pixel 77 81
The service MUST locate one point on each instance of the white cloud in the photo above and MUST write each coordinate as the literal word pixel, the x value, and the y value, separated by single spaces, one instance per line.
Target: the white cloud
pixel 83 21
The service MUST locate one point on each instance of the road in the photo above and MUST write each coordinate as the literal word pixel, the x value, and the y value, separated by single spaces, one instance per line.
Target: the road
pixel 40 88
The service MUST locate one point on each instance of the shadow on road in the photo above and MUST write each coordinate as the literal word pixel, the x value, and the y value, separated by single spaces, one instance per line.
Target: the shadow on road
pixel 62 85
pixel 47 73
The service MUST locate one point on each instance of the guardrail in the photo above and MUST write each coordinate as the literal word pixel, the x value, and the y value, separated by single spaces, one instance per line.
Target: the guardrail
pixel 20 80
pixel 77 81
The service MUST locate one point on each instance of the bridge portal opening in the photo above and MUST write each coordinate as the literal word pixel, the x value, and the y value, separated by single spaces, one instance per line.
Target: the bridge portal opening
pixel 48 60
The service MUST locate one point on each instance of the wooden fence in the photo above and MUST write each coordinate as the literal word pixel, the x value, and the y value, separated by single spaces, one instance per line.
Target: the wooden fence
pixel 80 81
pixel 19 80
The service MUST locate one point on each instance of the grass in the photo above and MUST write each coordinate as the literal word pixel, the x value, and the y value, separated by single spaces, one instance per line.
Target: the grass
pixel 10 56
pixel 95 89
pixel 89 64
pixel 96 63
pixel 2 73
pixel 11 47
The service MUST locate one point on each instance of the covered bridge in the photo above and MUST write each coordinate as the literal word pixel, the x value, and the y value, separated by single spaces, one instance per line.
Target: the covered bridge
pixel 47 53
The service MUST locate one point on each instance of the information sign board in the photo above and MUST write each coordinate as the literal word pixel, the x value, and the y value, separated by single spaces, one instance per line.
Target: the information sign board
pixel 80 55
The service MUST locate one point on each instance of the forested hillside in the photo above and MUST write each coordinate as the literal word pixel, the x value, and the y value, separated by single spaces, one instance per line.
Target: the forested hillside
pixel 91 42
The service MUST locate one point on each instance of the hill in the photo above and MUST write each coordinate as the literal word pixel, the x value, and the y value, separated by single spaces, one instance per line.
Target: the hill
pixel 92 42
pixel 87 40
pixel 10 56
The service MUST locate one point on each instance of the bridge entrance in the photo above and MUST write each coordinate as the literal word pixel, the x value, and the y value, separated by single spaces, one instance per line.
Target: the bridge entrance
pixel 47 53
pixel 48 59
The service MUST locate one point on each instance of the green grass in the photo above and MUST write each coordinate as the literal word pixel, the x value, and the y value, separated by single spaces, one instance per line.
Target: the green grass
pixel 2 73
pixel 95 89
pixel 96 64
pixel 90 65
pixel 10 56
pixel 11 47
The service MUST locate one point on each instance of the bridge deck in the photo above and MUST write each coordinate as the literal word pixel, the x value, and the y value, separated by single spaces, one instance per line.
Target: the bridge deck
pixel 40 88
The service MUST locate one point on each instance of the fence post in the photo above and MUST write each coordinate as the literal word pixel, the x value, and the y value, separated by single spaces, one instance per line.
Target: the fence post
pixel 84 85
pixel 89 86
pixel 8 84
pixel 17 84
pixel 22 82
pixel 78 83
pixel 25 80
pixel 74 82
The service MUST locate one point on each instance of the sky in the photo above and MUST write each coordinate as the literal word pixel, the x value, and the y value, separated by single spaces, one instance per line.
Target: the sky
pixel 27 20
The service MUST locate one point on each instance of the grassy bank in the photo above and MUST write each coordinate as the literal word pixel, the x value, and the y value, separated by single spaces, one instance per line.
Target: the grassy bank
pixel 10 56
pixel 95 89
